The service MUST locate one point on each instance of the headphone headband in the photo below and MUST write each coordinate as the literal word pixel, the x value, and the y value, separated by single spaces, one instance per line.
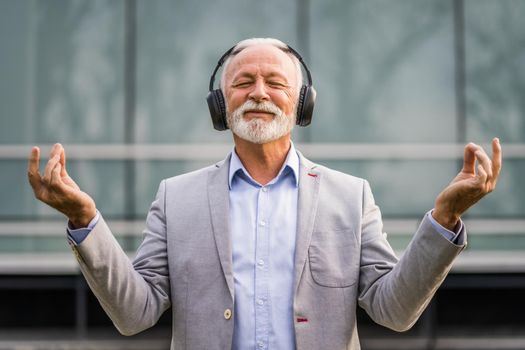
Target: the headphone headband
pixel 219 64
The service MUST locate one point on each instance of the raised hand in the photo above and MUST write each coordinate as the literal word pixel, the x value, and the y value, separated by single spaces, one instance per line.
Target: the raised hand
pixel 469 186
pixel 57 189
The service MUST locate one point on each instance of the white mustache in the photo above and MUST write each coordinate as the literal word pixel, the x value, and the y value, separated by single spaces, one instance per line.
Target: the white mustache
pixel 266 106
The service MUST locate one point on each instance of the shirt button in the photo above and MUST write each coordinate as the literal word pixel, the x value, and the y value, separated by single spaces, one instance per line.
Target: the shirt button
pixel 260 345
pixel 263 223
pixel 260 262
pixel 227 314
pixel 264 189
pixel 260 302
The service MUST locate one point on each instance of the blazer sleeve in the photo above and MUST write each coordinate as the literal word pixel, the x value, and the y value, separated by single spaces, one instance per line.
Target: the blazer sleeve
pixel 395 293
pixel 134 295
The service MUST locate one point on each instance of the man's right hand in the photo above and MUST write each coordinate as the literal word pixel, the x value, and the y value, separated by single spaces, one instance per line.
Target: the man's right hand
pixel 57 189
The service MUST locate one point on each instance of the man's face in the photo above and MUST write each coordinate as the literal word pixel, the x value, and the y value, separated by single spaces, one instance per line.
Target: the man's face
pixel 260 93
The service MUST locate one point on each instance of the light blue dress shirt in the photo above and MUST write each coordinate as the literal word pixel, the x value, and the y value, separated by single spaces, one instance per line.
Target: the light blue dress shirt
pixel 263 223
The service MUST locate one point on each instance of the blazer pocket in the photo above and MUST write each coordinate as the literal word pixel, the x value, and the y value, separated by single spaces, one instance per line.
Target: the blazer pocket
pixel 334 265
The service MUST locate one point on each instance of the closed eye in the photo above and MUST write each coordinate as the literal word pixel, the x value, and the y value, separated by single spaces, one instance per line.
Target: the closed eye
pixel 277 84
pixel 242 84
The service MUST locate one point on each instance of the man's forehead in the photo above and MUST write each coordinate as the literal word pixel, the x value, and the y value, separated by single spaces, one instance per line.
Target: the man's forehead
pixel 261 55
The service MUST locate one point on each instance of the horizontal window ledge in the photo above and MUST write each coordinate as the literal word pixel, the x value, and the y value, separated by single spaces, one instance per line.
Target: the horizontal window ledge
pixel 215 152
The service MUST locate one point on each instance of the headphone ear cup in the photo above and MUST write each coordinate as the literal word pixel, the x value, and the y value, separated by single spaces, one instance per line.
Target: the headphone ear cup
pixel 305 105
pixel 217 108
pixel 300 104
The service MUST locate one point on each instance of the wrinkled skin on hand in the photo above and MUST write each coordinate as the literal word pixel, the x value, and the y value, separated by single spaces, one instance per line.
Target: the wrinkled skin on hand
pixel 470 185
pixel 57 189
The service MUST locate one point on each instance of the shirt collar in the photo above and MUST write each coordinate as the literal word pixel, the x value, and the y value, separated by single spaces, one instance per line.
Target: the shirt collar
pixel 290 165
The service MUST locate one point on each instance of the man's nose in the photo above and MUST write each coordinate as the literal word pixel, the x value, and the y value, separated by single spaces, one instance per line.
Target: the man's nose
pixel 259 92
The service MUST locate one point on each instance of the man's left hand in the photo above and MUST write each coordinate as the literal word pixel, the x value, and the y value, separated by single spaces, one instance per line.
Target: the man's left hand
pixel 469 186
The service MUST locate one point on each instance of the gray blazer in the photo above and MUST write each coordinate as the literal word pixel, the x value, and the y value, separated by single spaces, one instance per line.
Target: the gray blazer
pixel 342 259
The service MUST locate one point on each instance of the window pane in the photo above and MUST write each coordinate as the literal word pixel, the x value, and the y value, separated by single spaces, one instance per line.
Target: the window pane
pixel 495 69
pixel 78 72
pixel 16 41
pixel 384 71
pixel 29 244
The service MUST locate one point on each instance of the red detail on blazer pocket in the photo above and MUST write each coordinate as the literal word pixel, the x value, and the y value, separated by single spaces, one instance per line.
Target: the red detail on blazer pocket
pixel 312 175
pixel 301 319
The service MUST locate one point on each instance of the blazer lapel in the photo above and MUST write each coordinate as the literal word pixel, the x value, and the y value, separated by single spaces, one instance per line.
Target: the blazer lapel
pixel 219 201
pixel 309 181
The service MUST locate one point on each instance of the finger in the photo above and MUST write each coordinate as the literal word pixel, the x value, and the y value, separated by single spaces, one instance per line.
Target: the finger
pixel 485 162
pixel 469 158
pixel 33 166
pixel 49 168
pixel 496 158
pixel 482 176
pixel 62 153
pixel 59 150
pixel 55 149
pixel 56 180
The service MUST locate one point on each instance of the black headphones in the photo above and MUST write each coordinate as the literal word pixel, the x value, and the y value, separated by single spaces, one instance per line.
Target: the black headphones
pixel 217 105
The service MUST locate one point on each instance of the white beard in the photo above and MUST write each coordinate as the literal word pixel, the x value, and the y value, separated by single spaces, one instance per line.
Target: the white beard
pixel 258 130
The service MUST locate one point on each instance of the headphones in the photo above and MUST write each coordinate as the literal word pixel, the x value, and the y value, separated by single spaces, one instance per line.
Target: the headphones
pixel 217 104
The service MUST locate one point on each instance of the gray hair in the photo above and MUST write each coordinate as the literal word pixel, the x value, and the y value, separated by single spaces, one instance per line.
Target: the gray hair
pixel 241 45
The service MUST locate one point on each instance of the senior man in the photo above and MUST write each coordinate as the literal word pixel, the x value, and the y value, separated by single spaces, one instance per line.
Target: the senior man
pixel 265 249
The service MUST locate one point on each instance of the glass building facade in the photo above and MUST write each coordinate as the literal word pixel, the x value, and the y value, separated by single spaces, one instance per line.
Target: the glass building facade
pixel 402 86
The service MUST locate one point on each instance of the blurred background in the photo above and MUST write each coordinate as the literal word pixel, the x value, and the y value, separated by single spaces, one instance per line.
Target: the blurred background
pixel 402 86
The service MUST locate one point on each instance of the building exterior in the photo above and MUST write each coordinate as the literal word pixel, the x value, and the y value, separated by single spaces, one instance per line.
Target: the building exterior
pixel 402 86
